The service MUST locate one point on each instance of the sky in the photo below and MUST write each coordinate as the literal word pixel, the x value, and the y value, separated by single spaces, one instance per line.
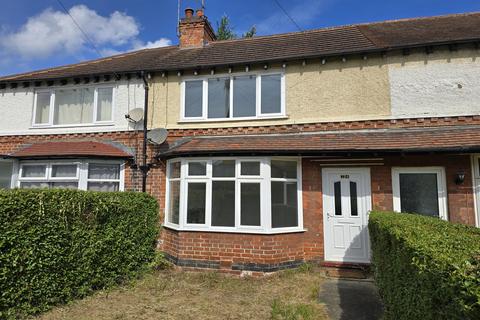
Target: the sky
pixel 39 34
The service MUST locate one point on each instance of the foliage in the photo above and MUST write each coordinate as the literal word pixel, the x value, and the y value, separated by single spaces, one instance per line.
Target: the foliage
pixel 425 268
pixel 226 32
pixel 58 245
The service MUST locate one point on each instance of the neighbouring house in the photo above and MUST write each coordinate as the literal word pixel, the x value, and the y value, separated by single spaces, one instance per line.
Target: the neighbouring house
pixel 278 146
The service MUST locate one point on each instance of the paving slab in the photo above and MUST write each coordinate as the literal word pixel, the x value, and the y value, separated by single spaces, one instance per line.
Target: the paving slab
pixel 351 299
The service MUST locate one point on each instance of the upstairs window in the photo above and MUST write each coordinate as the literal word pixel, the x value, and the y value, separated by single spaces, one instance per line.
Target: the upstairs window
pixel 233 97
pixel 73 106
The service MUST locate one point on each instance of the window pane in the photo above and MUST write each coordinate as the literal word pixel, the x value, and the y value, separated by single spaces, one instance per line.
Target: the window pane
pixel 250 204
pixel 219 98
pixel 193 98
pixel 223 168
pixel 6 168
pixel 244 98
pixel 271 94
pixel 65 185
pixel 103 171
pixel 197 168
pixel 174 205
pixel 337 187
pixel 223 203
pixel 284 169
pixel 284 204
pixel 419 193
pixel 353 199
pixel 175 170
pixel 250 168
pixel 33 185
pixel 42 108
pixel 196 202
pixel 64 170
pixel 104 104
pixel 33 171
pixel 73 106
pixel 103 186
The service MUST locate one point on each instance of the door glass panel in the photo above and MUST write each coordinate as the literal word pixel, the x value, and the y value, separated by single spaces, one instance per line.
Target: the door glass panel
pixel 196 202
pixel 250 204
pixel 223 203
pixel 338 198
pixel 419 193
pixel 353 199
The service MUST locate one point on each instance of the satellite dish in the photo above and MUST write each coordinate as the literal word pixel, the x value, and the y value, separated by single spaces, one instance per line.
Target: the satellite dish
pixel 135 115
pixel 157 136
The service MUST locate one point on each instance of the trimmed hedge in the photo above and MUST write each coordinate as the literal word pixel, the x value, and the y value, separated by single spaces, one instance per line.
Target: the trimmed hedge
pixel 425 268
pixel 58 245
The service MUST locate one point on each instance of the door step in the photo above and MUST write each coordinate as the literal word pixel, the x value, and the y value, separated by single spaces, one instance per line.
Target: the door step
pixel 358 271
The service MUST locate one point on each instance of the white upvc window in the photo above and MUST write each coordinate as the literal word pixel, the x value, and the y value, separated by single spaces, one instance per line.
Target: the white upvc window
pixel 420 190
pixel 247 195
pixel 233 97
pixel 95 175
pixel 74 106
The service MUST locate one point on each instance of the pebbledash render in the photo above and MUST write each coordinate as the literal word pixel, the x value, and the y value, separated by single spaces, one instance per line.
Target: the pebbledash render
pixel 278 146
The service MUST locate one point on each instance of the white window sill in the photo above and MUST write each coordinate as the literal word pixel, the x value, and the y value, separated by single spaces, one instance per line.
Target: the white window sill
pixel 233 119
pixel 99 124
pixel 235 230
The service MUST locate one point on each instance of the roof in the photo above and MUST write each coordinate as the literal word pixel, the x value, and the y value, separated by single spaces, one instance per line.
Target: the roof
pixel 360 38
pixel 62 149
pixel 454 138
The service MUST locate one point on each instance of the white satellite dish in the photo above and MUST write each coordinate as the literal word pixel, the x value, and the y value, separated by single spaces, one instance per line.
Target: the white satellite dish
pixel 157 136
pixel 135 115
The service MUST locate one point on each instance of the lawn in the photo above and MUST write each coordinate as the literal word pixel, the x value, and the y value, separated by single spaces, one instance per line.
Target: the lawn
pixel 173 294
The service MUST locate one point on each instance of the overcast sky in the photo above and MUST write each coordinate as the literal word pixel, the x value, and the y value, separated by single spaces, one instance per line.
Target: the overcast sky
pixel 39 34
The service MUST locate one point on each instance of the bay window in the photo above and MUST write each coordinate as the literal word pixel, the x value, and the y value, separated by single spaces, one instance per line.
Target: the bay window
pixel 95 175
pixel 247 96
pixel 252 195
pixel 73 106
pixel 420 190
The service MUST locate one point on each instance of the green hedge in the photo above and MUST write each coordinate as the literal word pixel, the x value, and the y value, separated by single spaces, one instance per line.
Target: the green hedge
pixel 57 245
pixel 425 268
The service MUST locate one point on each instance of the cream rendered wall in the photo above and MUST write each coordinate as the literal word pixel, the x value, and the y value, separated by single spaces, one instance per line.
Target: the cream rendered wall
pixel 16 108
pixel 441 84
pixel 353 90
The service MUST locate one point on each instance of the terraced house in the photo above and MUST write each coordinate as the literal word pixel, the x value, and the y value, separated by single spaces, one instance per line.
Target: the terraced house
pixel 278 146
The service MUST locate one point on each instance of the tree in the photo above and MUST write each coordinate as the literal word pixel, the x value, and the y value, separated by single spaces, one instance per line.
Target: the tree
pixel 225 30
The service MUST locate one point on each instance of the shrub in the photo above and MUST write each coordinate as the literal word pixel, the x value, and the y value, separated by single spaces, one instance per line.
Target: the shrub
pixel 425 268
pixel 57 245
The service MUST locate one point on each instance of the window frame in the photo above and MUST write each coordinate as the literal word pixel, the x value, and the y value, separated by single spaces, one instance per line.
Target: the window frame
pixel 265 196
pixel 81 175
pixel 258 95
pixel 51 111
pixel 441 185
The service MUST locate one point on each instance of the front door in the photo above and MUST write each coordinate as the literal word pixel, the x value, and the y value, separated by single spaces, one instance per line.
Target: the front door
pixel 346 203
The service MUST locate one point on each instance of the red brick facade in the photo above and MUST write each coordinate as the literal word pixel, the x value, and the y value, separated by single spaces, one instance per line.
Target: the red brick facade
pixel 234 252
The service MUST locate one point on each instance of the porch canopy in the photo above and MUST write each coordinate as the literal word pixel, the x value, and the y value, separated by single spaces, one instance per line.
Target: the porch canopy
pixel 461 139
pixel 71 149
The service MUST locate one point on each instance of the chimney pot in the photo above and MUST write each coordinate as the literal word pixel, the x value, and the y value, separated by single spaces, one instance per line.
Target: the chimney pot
pixel 188 13
pixel 199 12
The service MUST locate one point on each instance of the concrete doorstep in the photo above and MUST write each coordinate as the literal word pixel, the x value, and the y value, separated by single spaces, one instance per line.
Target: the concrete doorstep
pixel 347 299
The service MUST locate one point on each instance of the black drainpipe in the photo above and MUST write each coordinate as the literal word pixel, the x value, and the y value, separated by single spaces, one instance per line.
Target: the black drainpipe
pixel 145 167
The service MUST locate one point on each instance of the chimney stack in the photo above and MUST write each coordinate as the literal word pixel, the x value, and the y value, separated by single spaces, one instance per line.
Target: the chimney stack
pixel 195 30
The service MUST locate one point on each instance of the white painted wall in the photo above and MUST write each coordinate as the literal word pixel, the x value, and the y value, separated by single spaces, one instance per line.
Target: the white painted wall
pixel 444 87
pixel 16 110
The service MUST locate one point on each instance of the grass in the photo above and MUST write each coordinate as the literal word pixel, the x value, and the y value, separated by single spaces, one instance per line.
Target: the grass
pixel 288 295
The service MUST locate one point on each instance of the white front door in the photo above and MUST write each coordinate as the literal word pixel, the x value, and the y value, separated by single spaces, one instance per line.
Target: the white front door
pixel 346 203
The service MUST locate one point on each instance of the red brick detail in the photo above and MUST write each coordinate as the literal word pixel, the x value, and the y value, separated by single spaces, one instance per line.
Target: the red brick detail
pixel 69 149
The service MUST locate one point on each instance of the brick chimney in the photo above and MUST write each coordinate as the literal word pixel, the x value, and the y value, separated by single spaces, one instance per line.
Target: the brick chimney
pixel 195 30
